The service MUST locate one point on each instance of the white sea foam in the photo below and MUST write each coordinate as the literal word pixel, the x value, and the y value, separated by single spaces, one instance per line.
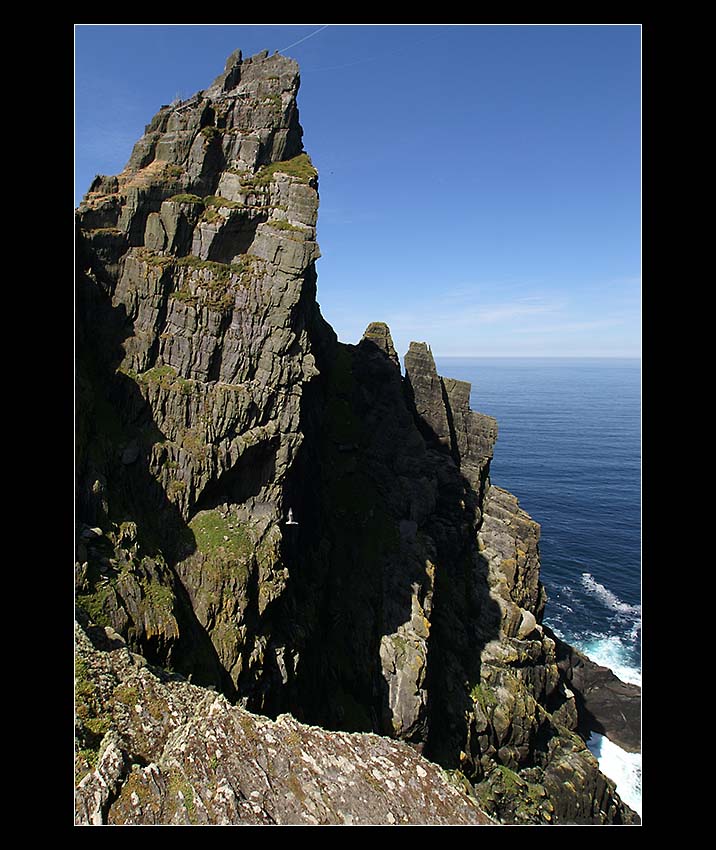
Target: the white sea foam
pixel 609 651
pixel 621 767
pixel 634 631
pixel 607 598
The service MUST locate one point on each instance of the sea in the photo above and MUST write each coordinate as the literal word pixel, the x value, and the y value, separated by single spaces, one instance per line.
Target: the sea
pixel 569 449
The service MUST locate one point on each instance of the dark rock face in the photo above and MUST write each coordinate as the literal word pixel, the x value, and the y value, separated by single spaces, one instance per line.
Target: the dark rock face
pixel 403 599
pixel 194 305
pixel 606 704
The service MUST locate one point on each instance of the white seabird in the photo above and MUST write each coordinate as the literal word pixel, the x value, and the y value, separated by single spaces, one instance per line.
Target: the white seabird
pixel 290 520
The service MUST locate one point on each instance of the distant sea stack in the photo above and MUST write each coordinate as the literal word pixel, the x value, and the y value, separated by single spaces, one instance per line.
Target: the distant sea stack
pixel 381 658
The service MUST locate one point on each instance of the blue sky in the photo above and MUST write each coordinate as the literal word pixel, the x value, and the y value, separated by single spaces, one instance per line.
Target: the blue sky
pixel 480 185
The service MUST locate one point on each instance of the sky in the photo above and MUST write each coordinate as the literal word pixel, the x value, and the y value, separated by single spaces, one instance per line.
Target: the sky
pixel 480 185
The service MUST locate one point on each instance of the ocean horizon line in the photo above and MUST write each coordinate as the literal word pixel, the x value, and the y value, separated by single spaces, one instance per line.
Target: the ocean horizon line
pixel 536 356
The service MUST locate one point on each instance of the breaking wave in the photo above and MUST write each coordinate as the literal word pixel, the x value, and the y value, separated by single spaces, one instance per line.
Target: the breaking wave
pixel 607 598
pixel 621 767
pixel 610 651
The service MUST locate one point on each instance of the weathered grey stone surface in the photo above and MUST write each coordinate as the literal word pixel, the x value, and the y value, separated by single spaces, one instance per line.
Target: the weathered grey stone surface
pixel 378 334
pixel 444 416
pixel 427 388
pixel 177 754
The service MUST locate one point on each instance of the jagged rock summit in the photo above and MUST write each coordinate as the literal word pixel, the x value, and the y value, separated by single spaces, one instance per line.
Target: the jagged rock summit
pixel 405 604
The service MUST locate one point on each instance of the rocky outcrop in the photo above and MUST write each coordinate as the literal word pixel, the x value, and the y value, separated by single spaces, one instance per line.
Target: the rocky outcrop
pixel 403 599
pixel 605 704
pixel 178 754
pixel 524 751
pixel 197 281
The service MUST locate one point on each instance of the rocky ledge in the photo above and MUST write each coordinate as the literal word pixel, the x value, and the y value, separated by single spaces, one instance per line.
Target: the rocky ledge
pixel 605 704
pixel 178 754
pixel 391 634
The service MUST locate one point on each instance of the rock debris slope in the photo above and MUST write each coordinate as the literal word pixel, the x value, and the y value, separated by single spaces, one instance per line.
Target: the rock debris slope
pixel 404 607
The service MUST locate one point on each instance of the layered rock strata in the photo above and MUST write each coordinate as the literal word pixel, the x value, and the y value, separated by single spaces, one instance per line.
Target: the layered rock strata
pixel 402 600
pixel 196 290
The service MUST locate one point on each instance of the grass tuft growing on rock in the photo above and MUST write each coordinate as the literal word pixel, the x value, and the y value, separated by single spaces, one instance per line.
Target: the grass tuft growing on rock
pixel 92 720
pixel 282 224
pixel 211 215
pixel 484 696
pixel 210 133
pixel 219 270
pixel 215 534
pixel 158 595
pixel 218 201
pixel 185 295
pixel 179 788
pixel 299 166
pixel 94 605
pixel 186 199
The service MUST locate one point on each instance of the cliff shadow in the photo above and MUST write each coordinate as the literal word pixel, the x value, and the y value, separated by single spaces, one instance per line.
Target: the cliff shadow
pixel 255 468
pixel 236 236
pixel 388 528
pixel 116 488
pixel 465 617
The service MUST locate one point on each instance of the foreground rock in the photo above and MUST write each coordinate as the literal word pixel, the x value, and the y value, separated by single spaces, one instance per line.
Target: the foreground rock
pixel 177 754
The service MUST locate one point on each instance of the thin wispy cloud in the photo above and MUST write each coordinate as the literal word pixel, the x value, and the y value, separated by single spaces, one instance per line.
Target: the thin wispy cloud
pixel 465 312
pixel 487 289
pixel 571 327
pixel 462 321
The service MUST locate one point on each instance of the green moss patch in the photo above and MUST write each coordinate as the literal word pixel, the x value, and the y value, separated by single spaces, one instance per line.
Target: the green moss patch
pixel 156 260
pixel 168 378
pixel 287 227
pixel 210 133
pixel 158 595
pixel 274 101
pixel 172 172
pixel 218 201
pixel 92 718
pixel 94 605
pixel 211 215
pixel 484 696
pixel 220 271
pixel 299 166
pixel 511 780
pixel 185 295
pixel 214 292
pixel 216 535
pixel 182 791
pixel 186 199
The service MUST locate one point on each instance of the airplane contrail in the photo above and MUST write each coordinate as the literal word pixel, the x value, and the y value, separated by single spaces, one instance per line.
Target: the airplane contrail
pixel 310 35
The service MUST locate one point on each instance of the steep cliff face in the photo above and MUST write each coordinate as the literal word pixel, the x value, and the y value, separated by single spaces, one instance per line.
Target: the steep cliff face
pixel 196 293
pixel 403 598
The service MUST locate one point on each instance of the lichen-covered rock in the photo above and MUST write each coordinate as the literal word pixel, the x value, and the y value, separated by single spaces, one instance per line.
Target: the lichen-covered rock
pixel 174 753
pixel 509 543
